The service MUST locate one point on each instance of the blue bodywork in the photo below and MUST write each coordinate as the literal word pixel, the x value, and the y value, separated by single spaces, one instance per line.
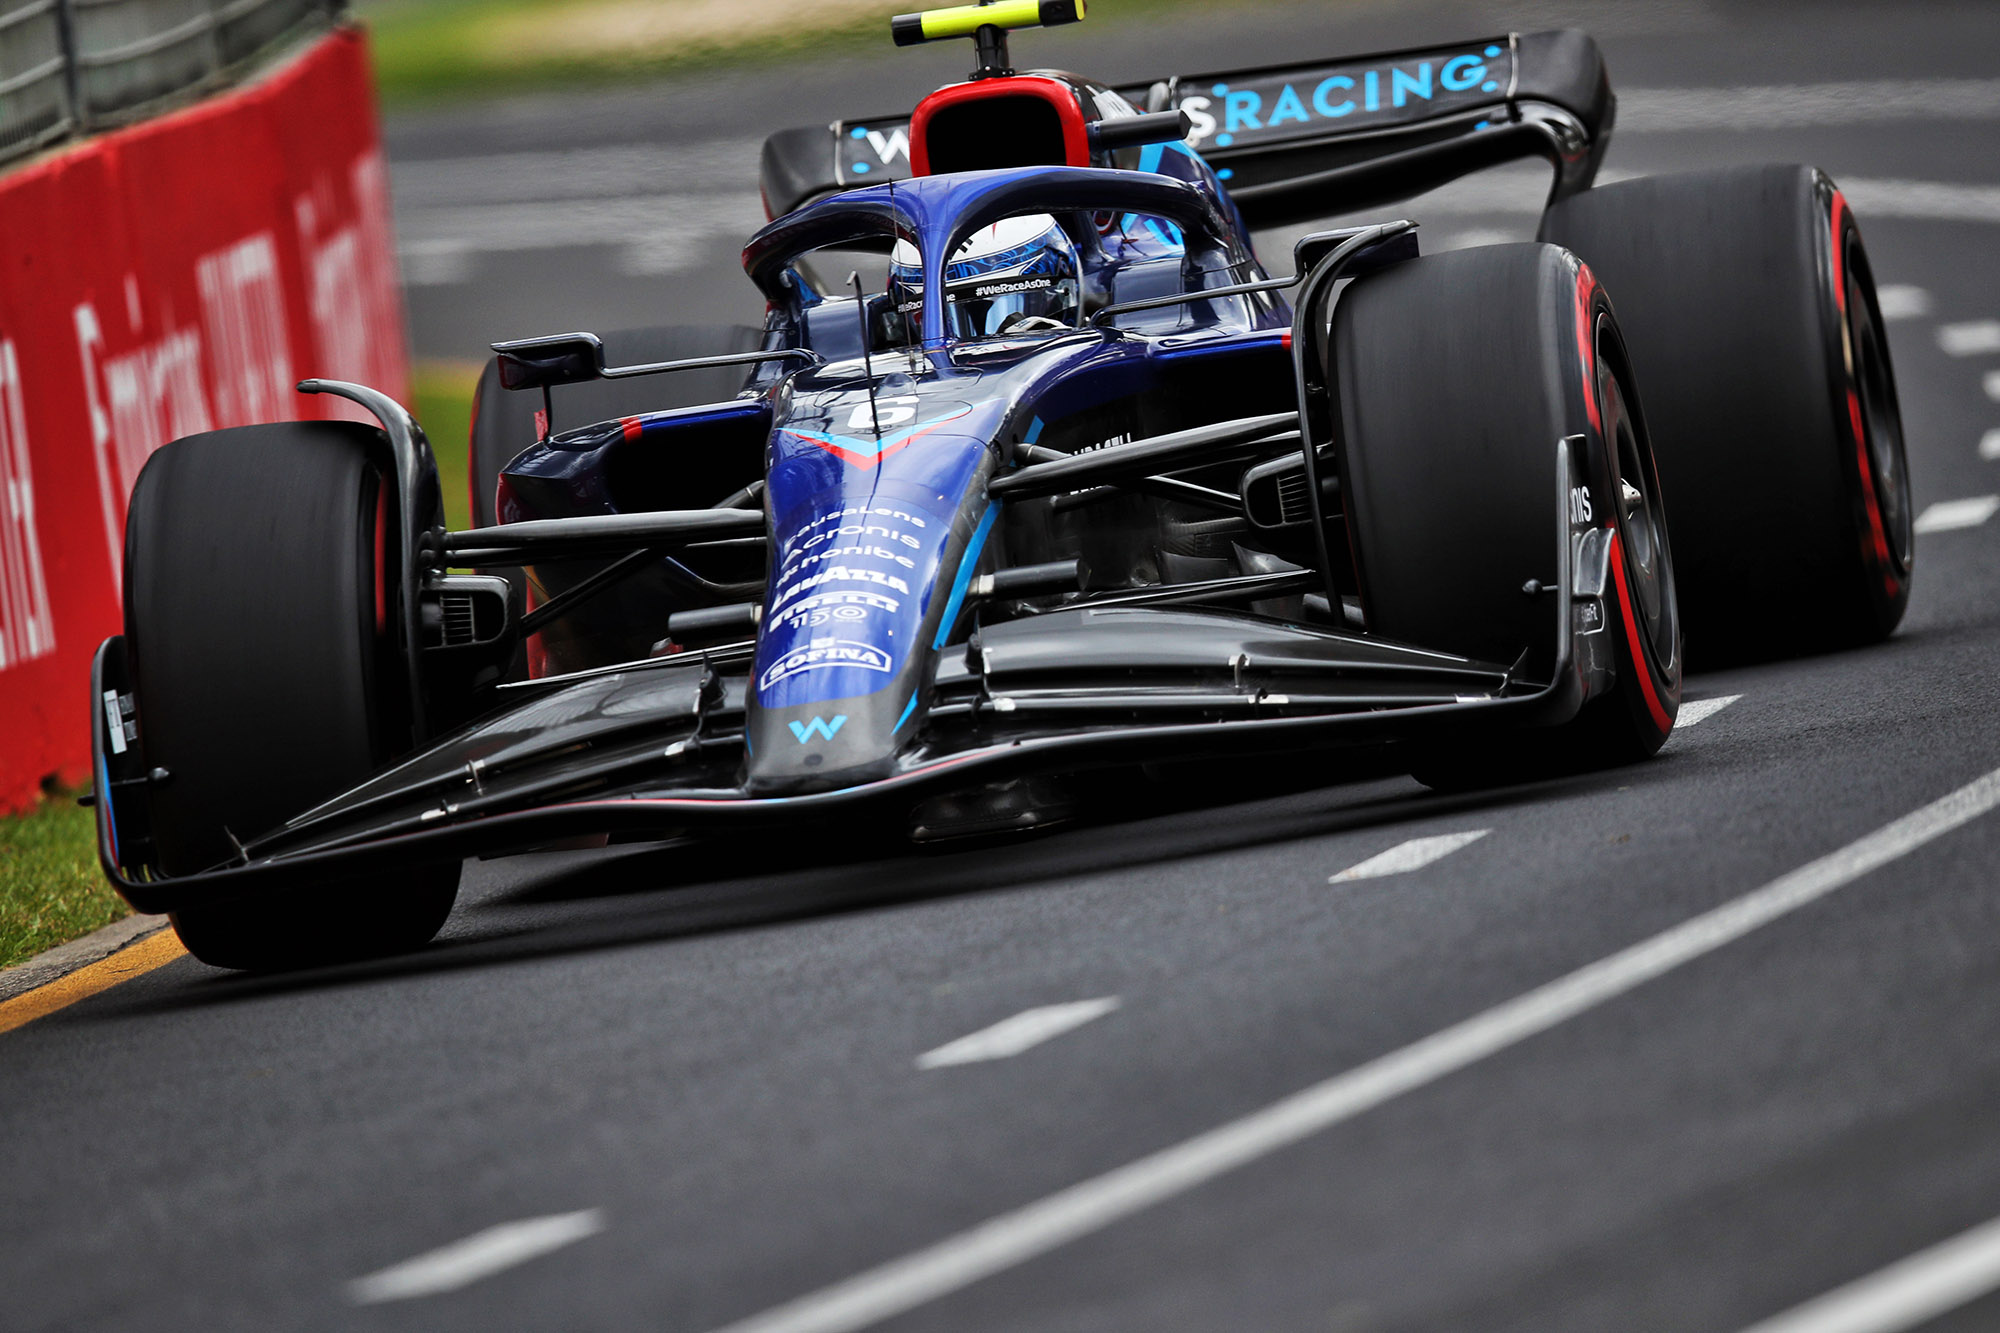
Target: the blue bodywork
pixel 878 517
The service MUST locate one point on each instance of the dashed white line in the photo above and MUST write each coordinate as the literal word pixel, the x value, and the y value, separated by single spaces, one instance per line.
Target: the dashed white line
pixel 1806 105
pixel 1474 237
pixel 1695 710
pixel 1906 1293
pixel 1974 338
pixel 1991 383
pixel 1899 300
pixel 1412 855
pixel 1989 445
pixel 482 1255
pixel 1922 201
pixel 1091 1205
pixel 655 234
pixel 1947 515
pixel 1011 1036
pixel 605 172
pixel 1514 193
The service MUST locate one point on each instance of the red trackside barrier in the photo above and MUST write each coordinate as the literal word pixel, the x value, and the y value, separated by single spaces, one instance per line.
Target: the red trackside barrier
pixel 177 276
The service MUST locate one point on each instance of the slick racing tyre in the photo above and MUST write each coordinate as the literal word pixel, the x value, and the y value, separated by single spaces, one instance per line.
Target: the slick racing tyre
pixel 1749 305
pixel 503 420
pixel 1457 375
pixel 259 616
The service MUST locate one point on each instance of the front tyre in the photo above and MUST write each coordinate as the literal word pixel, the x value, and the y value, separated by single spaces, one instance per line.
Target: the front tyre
pixel 1457 376
pixel 259 615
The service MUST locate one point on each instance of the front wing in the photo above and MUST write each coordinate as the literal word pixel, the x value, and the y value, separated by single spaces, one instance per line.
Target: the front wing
pixel 652 749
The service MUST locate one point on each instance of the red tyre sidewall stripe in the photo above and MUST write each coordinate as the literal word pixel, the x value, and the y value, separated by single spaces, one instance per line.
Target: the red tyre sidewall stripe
pixel 1640 662
pixel 381 558
pixel 1877 541
pixel 472 462
pixel 1878 535
pixel 1586 344
pixel 1586 289
pixel 1837 216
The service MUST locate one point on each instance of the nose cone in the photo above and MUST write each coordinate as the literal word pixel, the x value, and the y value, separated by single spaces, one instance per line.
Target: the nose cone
pixel 838 743
pixel 870 538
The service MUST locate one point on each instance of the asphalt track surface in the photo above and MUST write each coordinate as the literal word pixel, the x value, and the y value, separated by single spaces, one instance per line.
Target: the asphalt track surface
pixel 715 1080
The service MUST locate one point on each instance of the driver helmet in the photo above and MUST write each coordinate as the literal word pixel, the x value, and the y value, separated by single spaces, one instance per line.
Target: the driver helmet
pixel 1017 276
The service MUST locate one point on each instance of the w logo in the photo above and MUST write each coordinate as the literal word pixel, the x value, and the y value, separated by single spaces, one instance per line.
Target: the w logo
pixel 888 147
pixel 819 727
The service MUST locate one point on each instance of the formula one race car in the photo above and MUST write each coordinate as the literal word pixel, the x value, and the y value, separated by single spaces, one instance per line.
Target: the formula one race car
pixel 1068 484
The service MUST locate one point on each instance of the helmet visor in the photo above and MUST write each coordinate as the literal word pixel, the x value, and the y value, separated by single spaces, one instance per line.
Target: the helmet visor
pixel 1016 278
pixel 1016 303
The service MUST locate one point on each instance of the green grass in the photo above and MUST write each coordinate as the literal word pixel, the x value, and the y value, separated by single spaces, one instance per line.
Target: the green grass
pixel 443 407
pixel 429 50
pixel 432 50
pixel 51 889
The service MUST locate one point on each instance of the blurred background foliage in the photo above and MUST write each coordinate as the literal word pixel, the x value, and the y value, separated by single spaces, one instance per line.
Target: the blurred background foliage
pixel 433 49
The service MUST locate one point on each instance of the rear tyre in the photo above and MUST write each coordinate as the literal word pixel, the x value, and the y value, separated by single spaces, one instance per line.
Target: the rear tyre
pixel 259 615
pixel 1749 305
pixel 1458 374
pixel 503 420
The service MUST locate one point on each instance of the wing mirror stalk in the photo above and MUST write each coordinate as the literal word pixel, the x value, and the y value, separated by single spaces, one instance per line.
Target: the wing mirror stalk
pixel 578 358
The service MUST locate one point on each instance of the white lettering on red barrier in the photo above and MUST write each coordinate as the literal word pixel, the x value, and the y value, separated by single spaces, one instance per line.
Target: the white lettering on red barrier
pixel 27 630
pixel 138 401
pixel 243 307
pixel 351 279
pixel 201 314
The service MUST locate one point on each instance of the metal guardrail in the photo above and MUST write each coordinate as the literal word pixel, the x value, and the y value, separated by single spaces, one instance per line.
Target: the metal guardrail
pixel 70 67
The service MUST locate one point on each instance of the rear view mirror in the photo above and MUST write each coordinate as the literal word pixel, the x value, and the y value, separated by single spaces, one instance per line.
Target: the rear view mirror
pixel 538 363
pixel 1137 131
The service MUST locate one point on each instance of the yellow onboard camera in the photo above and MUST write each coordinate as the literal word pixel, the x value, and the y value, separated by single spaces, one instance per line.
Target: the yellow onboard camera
pixel 966 20
pixel 987 25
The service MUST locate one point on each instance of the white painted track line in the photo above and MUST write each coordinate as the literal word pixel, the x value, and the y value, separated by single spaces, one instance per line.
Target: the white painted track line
pixel 1806 105
pixel 1412 855
pixel 1899 300
pixel 1919 201
pixel 1989 445
pixel 1905 1294
pixel 1091 1205
pixel 1991 383
pixel 466 1261
pixel 1697 710
pixel 1946 515
pixel 1978 338
pixel 1496 193
pixel 1011 1036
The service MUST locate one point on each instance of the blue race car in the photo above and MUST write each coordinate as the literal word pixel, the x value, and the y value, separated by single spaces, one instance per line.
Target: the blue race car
pixel 1032 472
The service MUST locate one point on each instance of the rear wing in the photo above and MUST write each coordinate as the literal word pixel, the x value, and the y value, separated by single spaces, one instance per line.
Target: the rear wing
pixel 1293 142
